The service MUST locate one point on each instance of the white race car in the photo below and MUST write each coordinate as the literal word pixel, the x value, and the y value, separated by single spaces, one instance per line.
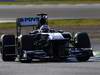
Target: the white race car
pixel 44 43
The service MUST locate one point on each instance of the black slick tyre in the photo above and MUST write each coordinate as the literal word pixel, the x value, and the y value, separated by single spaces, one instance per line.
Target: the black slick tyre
pixel 82 43
pixel 8 48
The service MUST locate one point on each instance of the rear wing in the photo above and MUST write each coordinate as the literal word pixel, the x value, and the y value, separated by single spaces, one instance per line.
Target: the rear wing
pixel 27 21
pixel 36 22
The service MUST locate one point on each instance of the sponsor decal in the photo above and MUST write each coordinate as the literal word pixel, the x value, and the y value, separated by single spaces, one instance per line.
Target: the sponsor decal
pixel 28 21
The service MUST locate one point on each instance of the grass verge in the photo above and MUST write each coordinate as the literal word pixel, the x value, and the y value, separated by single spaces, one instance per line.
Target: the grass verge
pixel 61 23
pixel 49 2
pixel 74 22
pixel 56 1
pixel 7 25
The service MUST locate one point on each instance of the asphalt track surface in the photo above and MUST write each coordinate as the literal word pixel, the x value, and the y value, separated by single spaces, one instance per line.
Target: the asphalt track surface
pixel 54 11
pixel 71 67
pixel 92 67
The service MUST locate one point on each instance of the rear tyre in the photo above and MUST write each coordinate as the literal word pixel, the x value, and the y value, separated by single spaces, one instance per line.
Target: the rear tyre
pixel 7 58
pixel 82 42
pixel 8 48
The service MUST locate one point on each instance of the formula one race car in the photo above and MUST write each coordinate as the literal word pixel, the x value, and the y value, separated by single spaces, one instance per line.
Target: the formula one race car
pixel 44 42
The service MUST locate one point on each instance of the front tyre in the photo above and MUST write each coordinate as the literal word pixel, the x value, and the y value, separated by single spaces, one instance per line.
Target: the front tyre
pixel 83 57
pixel 82 40
pixel 83 45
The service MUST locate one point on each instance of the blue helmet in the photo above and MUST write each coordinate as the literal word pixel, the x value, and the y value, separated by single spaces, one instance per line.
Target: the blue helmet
pixel 44 28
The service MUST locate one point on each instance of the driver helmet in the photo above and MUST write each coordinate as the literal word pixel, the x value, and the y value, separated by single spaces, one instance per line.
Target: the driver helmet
pixel 44 28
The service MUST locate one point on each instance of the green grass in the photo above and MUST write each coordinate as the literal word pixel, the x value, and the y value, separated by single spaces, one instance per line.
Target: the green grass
pixel 7 25
pixel 57 1
pixel 61 23
pixel 49 2
pixel 75 22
